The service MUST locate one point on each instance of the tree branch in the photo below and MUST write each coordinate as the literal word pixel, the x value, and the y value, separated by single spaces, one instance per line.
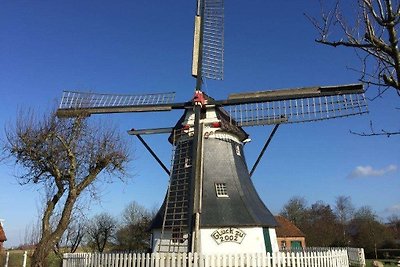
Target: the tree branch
pixel 374 33
pixel 373 133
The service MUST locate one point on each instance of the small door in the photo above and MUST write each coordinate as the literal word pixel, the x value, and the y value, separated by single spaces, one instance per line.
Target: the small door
pixel 267 240
pixel 295 244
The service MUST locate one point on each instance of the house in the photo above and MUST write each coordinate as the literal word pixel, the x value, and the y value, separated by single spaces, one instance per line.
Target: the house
pixel 288 235
pixel 2 235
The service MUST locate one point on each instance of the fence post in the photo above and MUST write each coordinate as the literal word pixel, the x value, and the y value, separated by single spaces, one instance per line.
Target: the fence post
pixel 7 257
pixel 25 256
pixel 64 260
pixel 362 257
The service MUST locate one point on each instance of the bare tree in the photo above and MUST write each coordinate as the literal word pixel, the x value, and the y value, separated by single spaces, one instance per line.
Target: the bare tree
pixel 321 226
pixel 134 213
pixel 64 157
pixel 344 211
pixel 368 232
pixel 101 230
pixel 32 233
pixel 133 235
pixel 317 222
pixel 371 28
pixel 394 225
pixel 295 210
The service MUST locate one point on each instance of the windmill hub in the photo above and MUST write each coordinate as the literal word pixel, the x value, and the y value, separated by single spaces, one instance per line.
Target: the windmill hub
pixel 199 99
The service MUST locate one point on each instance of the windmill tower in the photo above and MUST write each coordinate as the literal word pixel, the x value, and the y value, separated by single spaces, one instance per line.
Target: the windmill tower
pixel 211 205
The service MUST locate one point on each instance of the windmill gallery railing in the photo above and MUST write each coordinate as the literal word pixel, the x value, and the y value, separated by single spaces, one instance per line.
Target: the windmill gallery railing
pixel 329 257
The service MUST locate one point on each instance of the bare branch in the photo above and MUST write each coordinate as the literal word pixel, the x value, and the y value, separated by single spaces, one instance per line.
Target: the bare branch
pixel 374 133
pixel 373 32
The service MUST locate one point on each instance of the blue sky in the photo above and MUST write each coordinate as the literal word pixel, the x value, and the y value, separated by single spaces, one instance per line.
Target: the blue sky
pixel 145 47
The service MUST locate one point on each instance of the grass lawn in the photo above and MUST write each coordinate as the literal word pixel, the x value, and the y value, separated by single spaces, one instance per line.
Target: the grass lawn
pixel 16 259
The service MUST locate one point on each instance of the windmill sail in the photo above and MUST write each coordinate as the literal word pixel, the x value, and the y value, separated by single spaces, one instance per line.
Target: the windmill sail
pixel 213 40
pixel 296 105
pixel 82 103
pixel 209 34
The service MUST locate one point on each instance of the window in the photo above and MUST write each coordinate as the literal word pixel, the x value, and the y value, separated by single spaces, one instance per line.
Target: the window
pixel 220 189
pixel 177 236
pixel 237 150
pixel 283 244
pixel 188 163
pixel 295 244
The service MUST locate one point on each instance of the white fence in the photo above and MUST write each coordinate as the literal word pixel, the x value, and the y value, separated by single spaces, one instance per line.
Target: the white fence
pixel 336 257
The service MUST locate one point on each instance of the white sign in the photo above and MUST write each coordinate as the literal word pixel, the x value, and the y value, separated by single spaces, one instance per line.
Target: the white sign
pixel 229 234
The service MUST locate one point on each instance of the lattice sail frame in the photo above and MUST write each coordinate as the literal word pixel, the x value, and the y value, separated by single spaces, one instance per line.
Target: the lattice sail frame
pixel 86 103
pixel 71 99
pixel 305 109
pixel 213 40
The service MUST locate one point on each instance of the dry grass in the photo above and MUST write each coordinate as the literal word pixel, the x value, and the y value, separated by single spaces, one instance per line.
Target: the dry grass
pixel 368 263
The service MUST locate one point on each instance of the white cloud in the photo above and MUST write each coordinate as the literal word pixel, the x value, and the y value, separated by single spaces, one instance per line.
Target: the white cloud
pixel 366 171
pixel 393 209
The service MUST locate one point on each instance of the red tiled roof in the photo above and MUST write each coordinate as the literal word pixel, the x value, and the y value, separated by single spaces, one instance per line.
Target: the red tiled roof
pixel 2 234
pixel 286 228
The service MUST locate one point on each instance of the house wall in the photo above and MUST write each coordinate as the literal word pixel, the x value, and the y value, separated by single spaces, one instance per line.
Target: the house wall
pixel 2 235
pixel 288 241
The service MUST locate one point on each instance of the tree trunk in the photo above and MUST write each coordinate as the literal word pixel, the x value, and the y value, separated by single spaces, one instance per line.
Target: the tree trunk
pixel 50 239
pixel 40 254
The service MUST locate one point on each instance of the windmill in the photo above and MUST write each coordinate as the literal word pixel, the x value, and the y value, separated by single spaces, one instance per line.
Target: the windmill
pixel 211 204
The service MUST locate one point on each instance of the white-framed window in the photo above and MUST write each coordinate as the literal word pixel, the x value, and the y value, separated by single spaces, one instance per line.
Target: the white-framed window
pixel 188 162
pixel 177 236
pixel 220 190
pixel 238 150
